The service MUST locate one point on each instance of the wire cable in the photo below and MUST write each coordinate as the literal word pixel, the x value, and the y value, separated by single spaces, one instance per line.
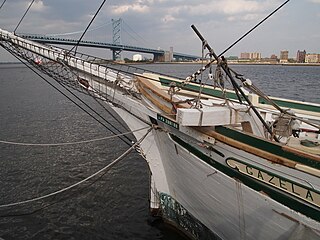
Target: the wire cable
pixel 70 143
pixel 252 29
pixel 83 102
pixel 110 165
pixel 23 17
pixel 233 44
pixel 128 143
pixel 77 44
pixel 76 32
pixel 3 4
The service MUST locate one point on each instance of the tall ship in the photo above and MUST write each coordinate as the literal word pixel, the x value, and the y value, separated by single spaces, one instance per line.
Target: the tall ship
pixel 225 163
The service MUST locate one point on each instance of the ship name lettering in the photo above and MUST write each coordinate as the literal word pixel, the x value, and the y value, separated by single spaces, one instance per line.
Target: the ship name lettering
pixel 297 190
pixel 247 169
pixel 283 184
pixel 293 191
pixel 272 177
pixel 309 195
pixel 260 175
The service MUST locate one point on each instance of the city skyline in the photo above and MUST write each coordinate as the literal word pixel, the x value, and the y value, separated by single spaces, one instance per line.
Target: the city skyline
pixel 165 24
pixel 255 53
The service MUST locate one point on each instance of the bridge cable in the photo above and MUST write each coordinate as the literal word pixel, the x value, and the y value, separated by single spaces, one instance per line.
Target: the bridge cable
pixel 72 33
pixel 77 44
pixel 138 35
pixel 69 98
pixel 23 16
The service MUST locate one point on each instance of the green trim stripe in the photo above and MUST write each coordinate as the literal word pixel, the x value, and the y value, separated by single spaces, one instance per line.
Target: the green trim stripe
pixel 266 146
pixel 196 88
pixel 232 95
pixel 274 193
pixel 292 105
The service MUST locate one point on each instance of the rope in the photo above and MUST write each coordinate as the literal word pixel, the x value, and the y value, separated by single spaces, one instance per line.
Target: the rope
pixel 114 132
pixel 193 76
pixel 69 143
pixel 23 16
pixel 2 4
pixel 128 143
pixel 107 110
pixel 77 44
pixel 110 165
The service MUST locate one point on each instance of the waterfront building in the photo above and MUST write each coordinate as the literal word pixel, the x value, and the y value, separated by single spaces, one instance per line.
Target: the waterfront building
pixel 168 55
pixel 274 57
pixel 251 55
pixel 137 57
pixel 301 56
pixel 255 56
pixel 284 56
pixel 312 58
pixel 245 55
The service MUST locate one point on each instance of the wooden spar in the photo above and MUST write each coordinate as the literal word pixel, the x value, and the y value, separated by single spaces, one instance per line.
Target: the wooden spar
pixel 159 97
pixel 264 154
pixel 235 85
pixel 168 105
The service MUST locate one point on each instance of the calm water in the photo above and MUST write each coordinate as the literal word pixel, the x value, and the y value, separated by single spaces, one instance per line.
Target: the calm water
pixel 114 206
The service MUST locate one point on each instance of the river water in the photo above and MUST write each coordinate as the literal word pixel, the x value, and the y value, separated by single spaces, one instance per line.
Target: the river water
pixel 115 206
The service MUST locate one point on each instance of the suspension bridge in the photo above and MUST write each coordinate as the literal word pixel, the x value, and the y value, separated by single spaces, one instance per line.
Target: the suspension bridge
pixel 116 46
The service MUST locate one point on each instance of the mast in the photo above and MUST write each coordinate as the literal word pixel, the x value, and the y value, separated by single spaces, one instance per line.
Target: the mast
pixel 234 83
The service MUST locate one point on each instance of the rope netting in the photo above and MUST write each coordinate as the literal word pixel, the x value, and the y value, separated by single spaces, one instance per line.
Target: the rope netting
pixel 78 71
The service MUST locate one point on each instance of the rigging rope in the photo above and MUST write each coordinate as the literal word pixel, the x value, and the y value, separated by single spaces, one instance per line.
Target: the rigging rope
pixel 252 29
pixel 23 17
pixel 193 76
pixel 2 4
pixel 77 44
pixel 114 132
pixel 110 165
pixel 128 143
pixel 70 143
pixel 109 112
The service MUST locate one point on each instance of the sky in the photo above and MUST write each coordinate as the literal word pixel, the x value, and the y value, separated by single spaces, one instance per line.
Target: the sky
pixel 166 23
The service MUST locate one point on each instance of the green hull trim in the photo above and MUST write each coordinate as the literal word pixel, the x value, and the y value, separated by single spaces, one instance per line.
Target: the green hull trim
pixel 274 193
pixel 292 105
pixel 196 88
pixel 231 95
pixel 266 146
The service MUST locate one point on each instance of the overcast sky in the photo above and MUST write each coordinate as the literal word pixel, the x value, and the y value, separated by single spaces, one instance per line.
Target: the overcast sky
pixel 166 23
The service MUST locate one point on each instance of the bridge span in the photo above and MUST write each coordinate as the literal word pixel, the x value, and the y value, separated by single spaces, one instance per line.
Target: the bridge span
pixel 159 55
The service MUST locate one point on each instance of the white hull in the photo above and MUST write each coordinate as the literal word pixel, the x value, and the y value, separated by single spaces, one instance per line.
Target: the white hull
pixel 224 205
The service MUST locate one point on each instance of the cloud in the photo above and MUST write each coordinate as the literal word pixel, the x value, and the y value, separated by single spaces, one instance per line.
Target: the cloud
pixel 167 23
pixel 38 6
pixel 139 6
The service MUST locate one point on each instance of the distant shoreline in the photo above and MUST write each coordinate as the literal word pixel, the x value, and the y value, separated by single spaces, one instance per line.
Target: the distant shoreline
pixel 235 63
pixel 229 62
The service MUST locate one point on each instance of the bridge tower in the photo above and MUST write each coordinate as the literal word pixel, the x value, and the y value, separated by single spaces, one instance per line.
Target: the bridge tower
pixel 116 38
